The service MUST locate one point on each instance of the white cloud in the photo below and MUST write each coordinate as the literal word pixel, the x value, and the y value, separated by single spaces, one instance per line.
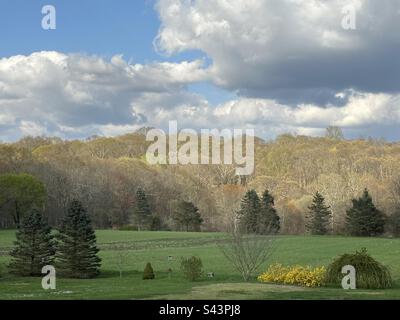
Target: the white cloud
pixel 58 91
pixel 364 114
pixel 29 128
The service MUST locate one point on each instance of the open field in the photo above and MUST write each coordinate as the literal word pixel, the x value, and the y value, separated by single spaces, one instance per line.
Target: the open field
pixel 137 248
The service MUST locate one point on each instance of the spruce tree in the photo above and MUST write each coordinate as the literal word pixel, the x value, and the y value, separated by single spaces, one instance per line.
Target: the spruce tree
pixel 319 216
pixel 34 247
pixel 142 213
pixel 187 216
pixel 269 221
pixel 250 209
pixel 364 219
pixel 77 250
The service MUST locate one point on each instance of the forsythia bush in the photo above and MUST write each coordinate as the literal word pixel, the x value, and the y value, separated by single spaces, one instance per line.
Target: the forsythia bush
pixel 294 275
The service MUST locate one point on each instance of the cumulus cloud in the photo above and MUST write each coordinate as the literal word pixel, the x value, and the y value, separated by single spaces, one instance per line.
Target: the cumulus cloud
pixel 364 114
pixel 295 51
pixel 52 92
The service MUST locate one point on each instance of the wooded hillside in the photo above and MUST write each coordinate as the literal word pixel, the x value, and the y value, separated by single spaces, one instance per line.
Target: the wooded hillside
pixel 105 173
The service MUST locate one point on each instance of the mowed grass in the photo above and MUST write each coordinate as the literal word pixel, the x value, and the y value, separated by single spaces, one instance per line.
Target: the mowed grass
pixel 131 250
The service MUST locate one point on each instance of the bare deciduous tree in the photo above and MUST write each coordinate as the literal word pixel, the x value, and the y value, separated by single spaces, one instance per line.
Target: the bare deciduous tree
pixel 248 252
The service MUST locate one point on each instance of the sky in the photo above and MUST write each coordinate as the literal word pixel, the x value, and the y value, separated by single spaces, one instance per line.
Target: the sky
pixel 287 66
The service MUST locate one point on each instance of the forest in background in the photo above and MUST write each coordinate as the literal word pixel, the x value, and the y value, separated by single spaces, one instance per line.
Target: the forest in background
pixel 105 173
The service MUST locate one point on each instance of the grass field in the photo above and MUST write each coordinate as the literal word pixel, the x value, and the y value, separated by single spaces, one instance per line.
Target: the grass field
pixel 137 248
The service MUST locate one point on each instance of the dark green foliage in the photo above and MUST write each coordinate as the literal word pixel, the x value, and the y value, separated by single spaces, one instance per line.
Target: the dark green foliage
pixel 128 227
pixel 19 193
pixel 394 223
pixel 319 216
pixel 187 216
pixel 364 219
pixel 77 250
pixel 156 224
pixel 2 268
pixel 269 221
pixel 249 212
pixel 141 212
pixel 148 272
pixel 258 216
pixel 192 268
pixel 370 274
pixel 34 247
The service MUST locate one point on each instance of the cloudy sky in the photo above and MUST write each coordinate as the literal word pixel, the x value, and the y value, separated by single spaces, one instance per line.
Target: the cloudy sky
pixel 277 66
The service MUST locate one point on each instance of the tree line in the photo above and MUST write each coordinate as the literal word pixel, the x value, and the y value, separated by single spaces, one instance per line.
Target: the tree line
pixel 362 219
pixel 21 193
pixel 105 174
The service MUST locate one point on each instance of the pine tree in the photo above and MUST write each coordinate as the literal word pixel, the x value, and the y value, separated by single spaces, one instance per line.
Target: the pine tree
pixel 364 219
pixel 269 221
pixel 319 216
pixel 34 246
pixel 77 250
pixel 187 216
pixel 142 213
pixel 250 209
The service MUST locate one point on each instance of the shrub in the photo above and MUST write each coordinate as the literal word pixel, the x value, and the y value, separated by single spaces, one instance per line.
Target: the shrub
pixel 148 272
pixel 370 274
pixel 294 275
pixel 192 268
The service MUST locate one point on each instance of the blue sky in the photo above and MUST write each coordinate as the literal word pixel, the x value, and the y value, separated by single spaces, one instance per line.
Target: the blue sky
pixel 94 27
pixel 273 66
pixel 89 26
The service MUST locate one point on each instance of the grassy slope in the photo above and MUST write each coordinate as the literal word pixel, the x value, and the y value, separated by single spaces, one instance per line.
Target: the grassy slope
pixel 137 248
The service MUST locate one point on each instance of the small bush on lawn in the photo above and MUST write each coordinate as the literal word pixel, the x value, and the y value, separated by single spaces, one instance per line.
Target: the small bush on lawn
pixel 294 275
pixel 370 274
pixel 192 268
pixel 148 272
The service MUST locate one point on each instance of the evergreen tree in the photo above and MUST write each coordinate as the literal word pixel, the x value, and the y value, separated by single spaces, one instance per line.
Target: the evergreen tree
pixel 77 250
pixel 34 247
pixel 187 216
pixel 364 219
pixel 269 221
pixel 148 272
pixel 249 213
pixel 142 213
pixel 319 216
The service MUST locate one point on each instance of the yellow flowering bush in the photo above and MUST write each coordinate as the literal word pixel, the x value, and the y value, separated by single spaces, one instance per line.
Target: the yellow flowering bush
pixel 294 275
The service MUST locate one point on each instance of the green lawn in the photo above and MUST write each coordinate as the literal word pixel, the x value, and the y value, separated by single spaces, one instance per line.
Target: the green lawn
pixel 137 248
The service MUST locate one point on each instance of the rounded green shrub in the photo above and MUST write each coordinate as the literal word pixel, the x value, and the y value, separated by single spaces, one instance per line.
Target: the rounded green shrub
pixel 148 272
pixel 370 274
